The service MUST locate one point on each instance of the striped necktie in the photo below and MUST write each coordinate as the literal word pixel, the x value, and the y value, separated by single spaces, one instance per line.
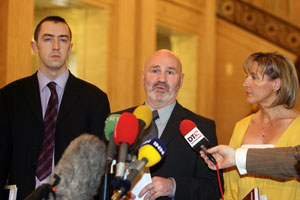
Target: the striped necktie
pixel 44 167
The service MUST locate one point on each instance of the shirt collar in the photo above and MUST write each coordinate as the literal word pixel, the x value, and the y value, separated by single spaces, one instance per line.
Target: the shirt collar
pixel 164 112
pixel 60 81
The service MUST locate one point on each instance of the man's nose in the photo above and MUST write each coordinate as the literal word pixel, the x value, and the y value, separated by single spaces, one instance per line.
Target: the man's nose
pixel 162 77
pixel 55 44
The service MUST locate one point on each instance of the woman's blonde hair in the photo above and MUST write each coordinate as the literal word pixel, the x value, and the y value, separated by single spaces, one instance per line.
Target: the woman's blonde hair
pixel 274 66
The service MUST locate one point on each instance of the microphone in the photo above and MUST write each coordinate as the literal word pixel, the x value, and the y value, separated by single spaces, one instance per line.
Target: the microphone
pixel 43 191
pixel 195 138
pixel 144 115
pixel 109 128
pixel 80 168
pixel 150 153
pixel 125 133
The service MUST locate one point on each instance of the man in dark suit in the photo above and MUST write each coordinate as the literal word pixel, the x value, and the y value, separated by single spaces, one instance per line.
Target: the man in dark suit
pixel 182 174
pixel 282 163
pixel 82 108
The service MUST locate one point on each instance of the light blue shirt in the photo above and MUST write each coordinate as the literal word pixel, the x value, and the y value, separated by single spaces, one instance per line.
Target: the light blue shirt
pixel 45 95
pixel 161 122
pixel 164 116
pixel 45 91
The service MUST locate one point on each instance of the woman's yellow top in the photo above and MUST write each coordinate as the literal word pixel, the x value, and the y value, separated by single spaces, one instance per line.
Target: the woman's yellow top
pixel 237 186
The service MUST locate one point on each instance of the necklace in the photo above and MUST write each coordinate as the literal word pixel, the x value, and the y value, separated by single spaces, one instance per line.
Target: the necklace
pixel 267 126
pixel 266 129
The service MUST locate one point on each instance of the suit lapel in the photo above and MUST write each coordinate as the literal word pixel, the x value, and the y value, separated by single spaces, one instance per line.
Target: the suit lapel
pixel 172 128
pixel 69 98
pixel 32 94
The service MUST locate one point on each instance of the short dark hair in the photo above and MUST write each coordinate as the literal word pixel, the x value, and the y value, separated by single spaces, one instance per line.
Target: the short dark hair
pixel 275 65
pixel 55 19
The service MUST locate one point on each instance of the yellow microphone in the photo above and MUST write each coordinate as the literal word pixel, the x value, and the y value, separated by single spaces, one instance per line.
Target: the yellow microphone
pixel 150 153
pixel 144 115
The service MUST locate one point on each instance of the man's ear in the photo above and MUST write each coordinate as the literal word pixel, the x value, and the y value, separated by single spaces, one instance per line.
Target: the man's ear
pixel 143 76
pixel 70 48
pixel 34 47
pixel 181 80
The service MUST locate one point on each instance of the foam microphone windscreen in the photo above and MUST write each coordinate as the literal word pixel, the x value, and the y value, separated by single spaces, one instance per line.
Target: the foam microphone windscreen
pixel 80 168
pixel 186 126
pixel 153 150
pixel 144 113
pixel 110 124
pixel 126 129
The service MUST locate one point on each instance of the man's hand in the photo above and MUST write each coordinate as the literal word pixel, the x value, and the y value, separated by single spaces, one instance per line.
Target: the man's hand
pixel 224 155
pixel 159 187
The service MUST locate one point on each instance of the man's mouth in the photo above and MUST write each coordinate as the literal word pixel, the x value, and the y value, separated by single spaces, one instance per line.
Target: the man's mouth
pixel 55 56
pixel 161 87
pixel 160 90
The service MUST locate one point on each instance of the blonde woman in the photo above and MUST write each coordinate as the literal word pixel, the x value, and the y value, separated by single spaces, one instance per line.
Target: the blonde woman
pixel 272 83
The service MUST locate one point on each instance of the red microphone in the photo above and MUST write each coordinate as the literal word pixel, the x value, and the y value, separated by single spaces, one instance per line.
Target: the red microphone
pixel 195 138
pixel 125 134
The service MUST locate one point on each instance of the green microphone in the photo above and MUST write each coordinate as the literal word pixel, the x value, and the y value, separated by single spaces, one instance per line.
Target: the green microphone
pixel 109 128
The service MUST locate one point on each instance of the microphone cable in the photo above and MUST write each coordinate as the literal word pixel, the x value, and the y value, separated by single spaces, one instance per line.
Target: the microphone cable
pixel 220 185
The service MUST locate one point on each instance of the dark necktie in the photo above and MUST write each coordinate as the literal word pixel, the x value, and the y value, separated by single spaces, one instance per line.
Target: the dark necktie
pixel 152 130
pixel 44 166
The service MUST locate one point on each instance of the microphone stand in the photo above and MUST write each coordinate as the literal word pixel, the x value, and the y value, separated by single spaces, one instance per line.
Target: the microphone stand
pixel 108 174
pixel 105 187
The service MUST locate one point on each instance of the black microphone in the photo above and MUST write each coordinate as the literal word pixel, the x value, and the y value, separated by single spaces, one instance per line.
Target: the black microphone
pixel 195 138
pixel 80 168
pixel 44 190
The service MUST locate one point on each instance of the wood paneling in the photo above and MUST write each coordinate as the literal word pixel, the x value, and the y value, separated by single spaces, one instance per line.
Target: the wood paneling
pixel 16 33
pixel 3 41
pixel 121 63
